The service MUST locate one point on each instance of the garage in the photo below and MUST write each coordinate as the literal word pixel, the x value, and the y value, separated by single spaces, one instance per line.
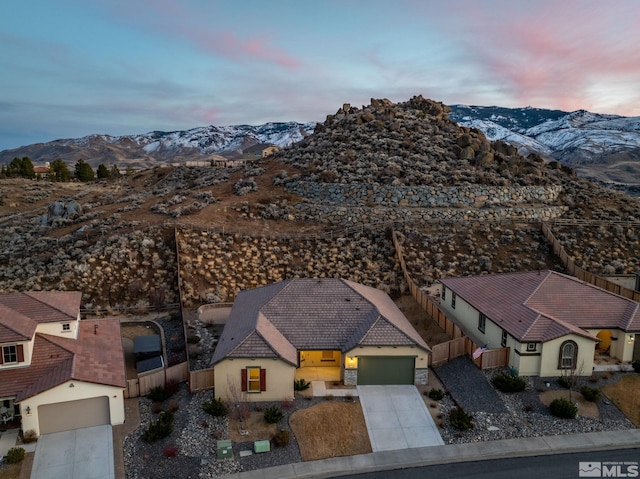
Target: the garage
pixel 374 370
pixel 68 415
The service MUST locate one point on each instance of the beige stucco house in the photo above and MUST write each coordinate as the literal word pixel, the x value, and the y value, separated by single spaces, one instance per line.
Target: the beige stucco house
pixel 58 372
pixel 553 323
pixel 275 330
pixel 259 151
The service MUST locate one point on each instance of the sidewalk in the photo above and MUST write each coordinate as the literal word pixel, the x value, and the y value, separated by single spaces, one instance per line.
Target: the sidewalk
pixel 425 456
pixel 132 422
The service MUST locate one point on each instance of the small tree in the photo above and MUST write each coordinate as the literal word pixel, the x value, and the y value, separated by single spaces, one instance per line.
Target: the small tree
pixel 115 172
pixel 58 171
pixel 83 171
pixel 103 172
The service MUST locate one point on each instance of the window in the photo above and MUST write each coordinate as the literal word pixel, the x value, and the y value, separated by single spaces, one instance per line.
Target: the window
pixel 327 356
pixel 482 322
pixel 254 379
pixel 453 300
pixel 531 346
pixel 66 327
pixel 444 292
pixel 568 355
pixel 503 342
pixel 9 354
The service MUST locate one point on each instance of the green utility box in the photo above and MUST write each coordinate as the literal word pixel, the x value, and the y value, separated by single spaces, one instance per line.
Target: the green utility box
pixel 261 446
pixel 224 449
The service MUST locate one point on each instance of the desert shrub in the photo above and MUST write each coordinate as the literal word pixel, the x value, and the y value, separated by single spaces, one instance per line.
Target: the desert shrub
pixel 29 436
pixel 171 388
pixel 245 186
pixel 281 438
pixel 159 393
pixel 156 408
pixel 563 408
pixel 273 414
pixel 215 407
pixel 460 420
pixel 301 385
pixel 170 451
pixel 636 366
pixel 508 383
pixel 193 339
pixel 15 455
pixel 160 428
pixel 287 404
pixel 435 394
pixel 566 382
pixel 174 406
pixel 590 394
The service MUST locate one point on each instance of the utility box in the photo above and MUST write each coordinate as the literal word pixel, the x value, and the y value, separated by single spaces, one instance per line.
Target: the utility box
pixel 261 446
pixel 224 449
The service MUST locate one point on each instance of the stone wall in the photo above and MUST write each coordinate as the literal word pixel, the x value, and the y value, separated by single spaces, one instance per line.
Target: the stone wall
pixel 472 196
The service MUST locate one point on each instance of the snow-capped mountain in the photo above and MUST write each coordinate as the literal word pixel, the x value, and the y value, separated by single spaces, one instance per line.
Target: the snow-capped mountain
pixel 148 149
pixel 602 147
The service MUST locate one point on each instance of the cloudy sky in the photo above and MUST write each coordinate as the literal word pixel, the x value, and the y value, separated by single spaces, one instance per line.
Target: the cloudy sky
pixel 69 68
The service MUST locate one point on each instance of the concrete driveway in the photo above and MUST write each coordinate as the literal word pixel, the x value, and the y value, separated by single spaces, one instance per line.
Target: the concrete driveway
pixel 78 454
pixel 397 418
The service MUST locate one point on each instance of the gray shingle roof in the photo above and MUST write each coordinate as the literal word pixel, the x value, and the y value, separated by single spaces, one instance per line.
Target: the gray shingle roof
pixel 543 305
pixel 312 314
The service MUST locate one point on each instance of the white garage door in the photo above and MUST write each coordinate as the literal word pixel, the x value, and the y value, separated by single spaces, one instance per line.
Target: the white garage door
pixel 68 415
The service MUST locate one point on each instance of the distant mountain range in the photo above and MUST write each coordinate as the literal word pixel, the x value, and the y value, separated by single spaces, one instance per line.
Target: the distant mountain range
pixel 159 147
pixel 603 148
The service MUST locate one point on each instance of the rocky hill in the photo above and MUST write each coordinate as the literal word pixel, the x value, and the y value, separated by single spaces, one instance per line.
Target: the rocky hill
pixel 322 207
pixel 603 148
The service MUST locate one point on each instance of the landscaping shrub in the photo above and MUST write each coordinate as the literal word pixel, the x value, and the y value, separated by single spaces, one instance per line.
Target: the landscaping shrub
pixel 29 436
pixel 590 394
pixel 193 339
pixel 460 420
pixel 636 366
pixel 15 455
pixel 215 407
pixel 435 394
pixel 563 408
pixel 159 393
pixel 160 428
pixel 273 414
pixel 301 385
pixel 508 383
pixel 281 438
pixel 170 451
pixel 566 382
pixel 174 406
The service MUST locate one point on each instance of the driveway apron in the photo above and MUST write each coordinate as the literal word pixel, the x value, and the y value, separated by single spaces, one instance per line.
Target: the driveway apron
pixel 397 418
pixel 77 454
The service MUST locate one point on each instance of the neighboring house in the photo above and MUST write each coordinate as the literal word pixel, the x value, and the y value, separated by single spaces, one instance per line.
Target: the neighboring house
pixel 273 330
pixel 58 372
pixel 552 323
pixel 261 150
pixel 42 172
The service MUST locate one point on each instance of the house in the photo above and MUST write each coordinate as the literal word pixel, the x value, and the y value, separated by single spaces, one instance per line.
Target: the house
pixel 58 372
pixel 42 172
pixel 307 324
pixel 553 323
pixel 261 150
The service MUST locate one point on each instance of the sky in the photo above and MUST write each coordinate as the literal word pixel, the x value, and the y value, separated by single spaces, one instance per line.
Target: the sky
pixel 70 68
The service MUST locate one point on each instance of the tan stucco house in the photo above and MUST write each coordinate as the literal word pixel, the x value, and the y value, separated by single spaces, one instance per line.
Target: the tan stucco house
pixel 261 150
pixel 58 372
pixel 275 330
pixel 553 323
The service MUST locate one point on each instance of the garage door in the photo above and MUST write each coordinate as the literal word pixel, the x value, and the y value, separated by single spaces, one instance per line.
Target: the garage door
pixel 386 370
pixel 68 415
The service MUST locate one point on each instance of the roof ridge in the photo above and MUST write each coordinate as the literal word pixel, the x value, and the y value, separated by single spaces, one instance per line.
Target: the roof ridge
pixel 35 298
pixel 387 322
pixel 60 342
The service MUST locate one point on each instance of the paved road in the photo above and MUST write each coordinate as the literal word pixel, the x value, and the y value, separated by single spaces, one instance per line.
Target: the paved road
pixel 559 466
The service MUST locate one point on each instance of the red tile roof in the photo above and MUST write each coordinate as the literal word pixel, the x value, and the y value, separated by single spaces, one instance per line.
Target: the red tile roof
pixel 543 305
pixel 20 313
pixel 95 357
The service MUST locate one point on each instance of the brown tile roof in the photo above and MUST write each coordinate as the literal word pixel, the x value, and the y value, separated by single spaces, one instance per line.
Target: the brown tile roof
pixel 312 314
pixel 543 305
pixel 95 357
pixel 21 312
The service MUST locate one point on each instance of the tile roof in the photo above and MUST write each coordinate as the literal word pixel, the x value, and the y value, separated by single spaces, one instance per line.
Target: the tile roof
pixel 20 313
pixel 312 314
pixel 543 305
pixel 95 357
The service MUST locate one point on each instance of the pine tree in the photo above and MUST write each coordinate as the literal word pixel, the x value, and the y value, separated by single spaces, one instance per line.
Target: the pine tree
pixel 115 172
pixel 58 171
pixel 103 172
pixel 84 172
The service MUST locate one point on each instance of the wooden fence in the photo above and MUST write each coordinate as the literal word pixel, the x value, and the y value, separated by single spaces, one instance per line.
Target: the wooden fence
pixel 201 380
pixel 580 273
pixel 459 345
pixel 145 382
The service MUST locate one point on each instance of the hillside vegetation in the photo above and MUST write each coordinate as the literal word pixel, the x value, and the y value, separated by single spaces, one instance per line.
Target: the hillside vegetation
pixel 325 206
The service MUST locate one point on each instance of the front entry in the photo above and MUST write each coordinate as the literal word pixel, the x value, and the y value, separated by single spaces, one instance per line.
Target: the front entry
pixel 383 370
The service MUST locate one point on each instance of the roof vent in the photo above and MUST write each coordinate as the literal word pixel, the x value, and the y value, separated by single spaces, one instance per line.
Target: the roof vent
pixel 347 299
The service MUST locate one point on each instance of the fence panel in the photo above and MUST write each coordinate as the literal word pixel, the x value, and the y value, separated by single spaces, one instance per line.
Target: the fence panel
pixel 177 373
pixel 494 358
pixel 149 381
pixel 132 390
pixel 201 380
